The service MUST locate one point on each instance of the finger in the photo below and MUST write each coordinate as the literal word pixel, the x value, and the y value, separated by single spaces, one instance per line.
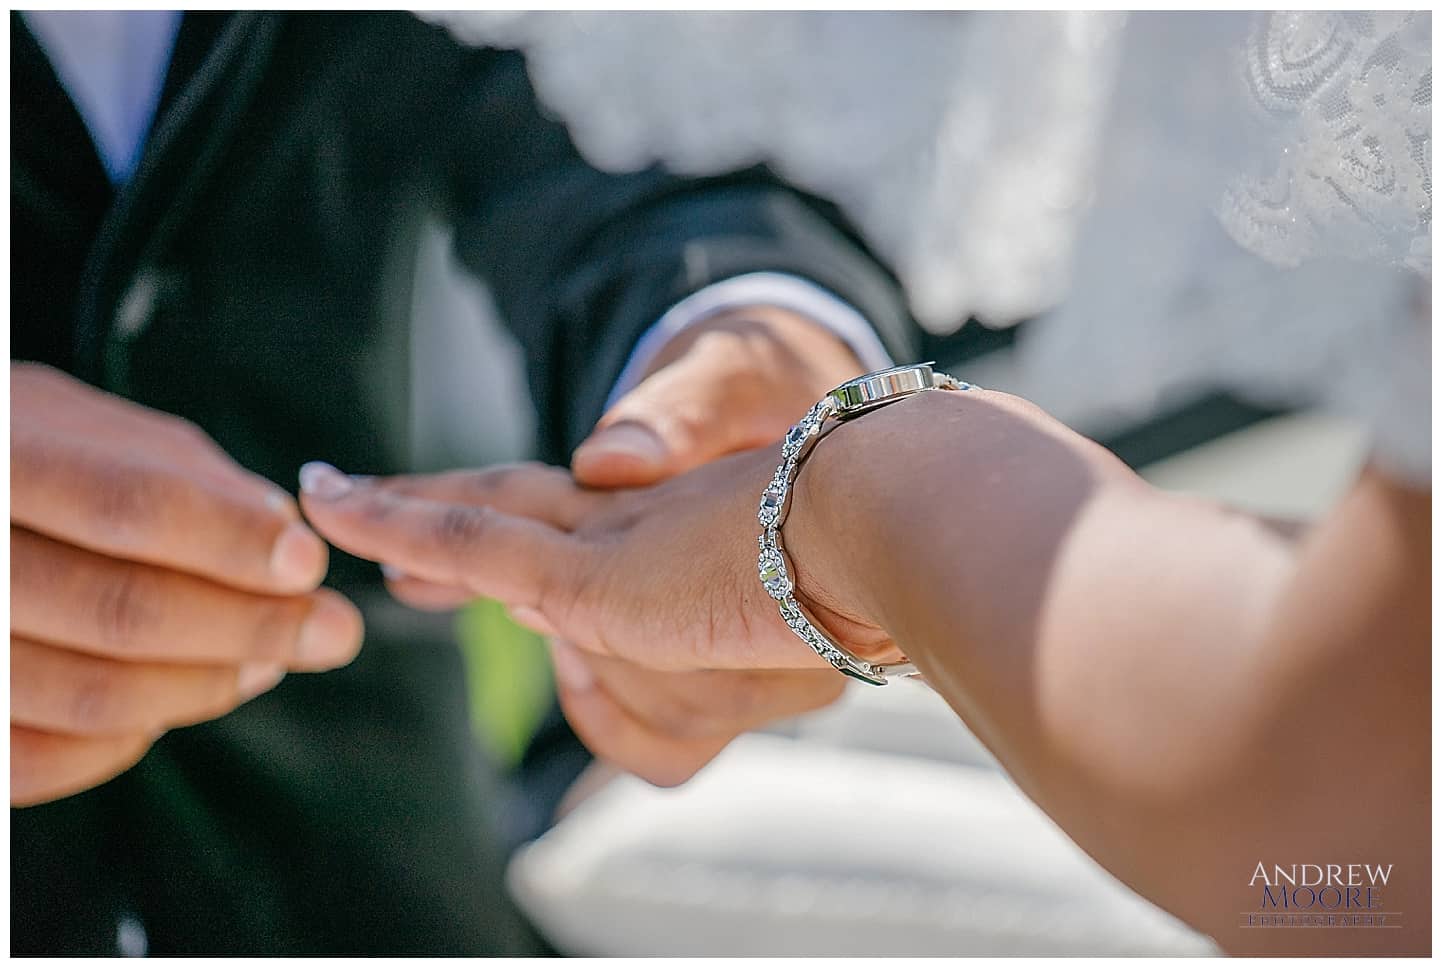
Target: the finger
pixel 61 691
pixel 425 595
pixel 736 380
pixel 680 417
pixel 142 508
pixel 718 703
pixel 75 408
pixel 476 547
pixel 140 613
pixel 531 619
pixel 614 735
pixel 528 490
pixel 48 766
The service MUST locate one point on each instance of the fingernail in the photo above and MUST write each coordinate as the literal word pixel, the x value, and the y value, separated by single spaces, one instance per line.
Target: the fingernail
pixel 392 573
pixel 571 669
pixel 323 482
pixel 531 619
pixel 633 440
pixel 330 634
pixel 298 559
pixel 258 677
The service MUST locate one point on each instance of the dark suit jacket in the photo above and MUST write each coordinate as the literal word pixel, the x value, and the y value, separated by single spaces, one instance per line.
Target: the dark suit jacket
pixel 254 277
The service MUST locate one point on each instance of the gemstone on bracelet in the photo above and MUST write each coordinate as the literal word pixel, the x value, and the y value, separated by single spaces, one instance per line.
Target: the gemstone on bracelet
pixel 797 435
pixel 771 500
pixel 772 569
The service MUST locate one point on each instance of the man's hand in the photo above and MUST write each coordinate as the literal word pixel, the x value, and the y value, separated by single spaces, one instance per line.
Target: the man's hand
pixel 734 381
pixel 153 583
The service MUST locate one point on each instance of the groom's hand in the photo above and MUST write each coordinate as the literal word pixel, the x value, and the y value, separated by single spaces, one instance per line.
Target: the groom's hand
pixel 731 382
pixel 153 583
pixel 665 726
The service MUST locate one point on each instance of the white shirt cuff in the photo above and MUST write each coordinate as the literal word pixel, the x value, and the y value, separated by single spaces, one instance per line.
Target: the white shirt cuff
pixel 755 289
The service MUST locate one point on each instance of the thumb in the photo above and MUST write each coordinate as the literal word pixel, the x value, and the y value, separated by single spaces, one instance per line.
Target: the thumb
pixel 680 417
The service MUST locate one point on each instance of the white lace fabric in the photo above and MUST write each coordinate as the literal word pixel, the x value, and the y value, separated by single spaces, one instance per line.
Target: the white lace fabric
pixel 1194 201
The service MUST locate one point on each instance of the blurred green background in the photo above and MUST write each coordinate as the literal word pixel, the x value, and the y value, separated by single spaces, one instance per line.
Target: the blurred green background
pixel 508 675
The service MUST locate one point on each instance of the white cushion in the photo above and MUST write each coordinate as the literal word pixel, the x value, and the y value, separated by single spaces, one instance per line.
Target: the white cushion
pixel 793 846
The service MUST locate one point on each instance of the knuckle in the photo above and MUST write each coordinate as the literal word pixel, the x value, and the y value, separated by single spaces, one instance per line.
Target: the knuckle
pixel 97 702
pixel 275 626
pixel 125 609
pixel 245 535
pixel 375 505
pixel 189 433
pixel 187 429
pixel 495 479
pixel 512 480
pixel 462 526
pixel 533 473
pixel 126 502
pixel 686 427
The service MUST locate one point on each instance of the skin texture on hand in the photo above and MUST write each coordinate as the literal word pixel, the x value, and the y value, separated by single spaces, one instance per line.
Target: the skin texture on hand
pixel 153 583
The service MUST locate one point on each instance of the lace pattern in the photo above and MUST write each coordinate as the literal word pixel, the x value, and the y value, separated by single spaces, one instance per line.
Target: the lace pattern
pixel 1345 101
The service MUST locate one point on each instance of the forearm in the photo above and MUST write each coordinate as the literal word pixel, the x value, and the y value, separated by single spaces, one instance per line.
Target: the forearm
pixel 1023 587
pixel 1124 652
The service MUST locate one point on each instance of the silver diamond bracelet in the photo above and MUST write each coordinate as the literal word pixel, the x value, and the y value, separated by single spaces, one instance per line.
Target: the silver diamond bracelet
pixel 849 400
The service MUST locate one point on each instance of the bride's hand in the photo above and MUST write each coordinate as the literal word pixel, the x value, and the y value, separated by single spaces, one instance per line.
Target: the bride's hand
pixel 668 646
pixel 662 577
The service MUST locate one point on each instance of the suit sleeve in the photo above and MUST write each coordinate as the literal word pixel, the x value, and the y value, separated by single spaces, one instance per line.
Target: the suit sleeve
pixel 582 263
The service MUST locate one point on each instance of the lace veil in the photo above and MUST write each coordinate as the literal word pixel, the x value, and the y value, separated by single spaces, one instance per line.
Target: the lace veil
pixel 1192 201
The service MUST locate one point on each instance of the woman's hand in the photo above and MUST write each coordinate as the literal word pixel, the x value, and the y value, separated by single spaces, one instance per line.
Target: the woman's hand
pixel 664 644
pixel 662 577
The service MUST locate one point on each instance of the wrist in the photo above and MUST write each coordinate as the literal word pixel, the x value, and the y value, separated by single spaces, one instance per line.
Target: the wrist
pixel 837 561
